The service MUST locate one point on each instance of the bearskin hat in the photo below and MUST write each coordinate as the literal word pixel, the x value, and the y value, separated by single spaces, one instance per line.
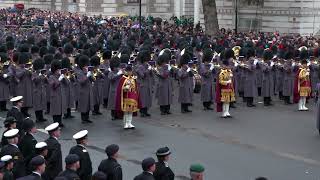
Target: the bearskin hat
pixel 207 55
pixel 83 61
pixel 24 48
pixel 24 57
pixel 115 62
pixel 68 48
pixel 94 61
pixel 124 58
pixel 55 65
pixel 34 49
pixel 38 64
pixel 65 63
pixel 48 58
pixel 10 45
pixel 267 55
pixel 107 54
pixel 228 53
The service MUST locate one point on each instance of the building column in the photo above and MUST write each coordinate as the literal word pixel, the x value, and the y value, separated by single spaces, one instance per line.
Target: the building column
pixel 58 5
pixel 196 11
pixel 82 6
pixel 177 8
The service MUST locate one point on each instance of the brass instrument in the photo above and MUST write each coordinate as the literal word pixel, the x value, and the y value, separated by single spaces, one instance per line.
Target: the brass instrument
pixel 236 50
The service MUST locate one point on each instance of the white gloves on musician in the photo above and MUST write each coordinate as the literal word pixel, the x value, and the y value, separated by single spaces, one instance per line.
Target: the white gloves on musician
pixel 61 77
pixel 119 72
pixel 5 76
pixel 89 74
pixel 189 69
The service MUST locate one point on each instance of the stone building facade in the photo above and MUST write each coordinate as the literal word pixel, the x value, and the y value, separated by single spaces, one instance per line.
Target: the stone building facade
pixel 286 16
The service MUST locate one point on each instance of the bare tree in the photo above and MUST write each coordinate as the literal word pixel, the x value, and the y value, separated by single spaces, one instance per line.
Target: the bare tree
pixel 210 17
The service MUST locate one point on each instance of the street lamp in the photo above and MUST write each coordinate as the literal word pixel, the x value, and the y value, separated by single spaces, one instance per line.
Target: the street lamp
pixel 236 11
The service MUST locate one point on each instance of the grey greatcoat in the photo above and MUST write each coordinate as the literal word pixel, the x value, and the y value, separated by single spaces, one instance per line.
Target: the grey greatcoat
pixel 185 86
pixel 85 92
pixel 144 81
pixel 39 91
pixel 57 96
pixel 24 87
pixel 13 80
pixel 76 84
pixel 288 80
pixel 67 88
pixel 47 87
pixel 114 79
pixel 4 85
pixel 106 83
pixel 164 91
pixel 314 70
pixel 267 85
pixel 98 91
pixel 206 83
pixel 279 78
pixel 250 81
pixel 259 74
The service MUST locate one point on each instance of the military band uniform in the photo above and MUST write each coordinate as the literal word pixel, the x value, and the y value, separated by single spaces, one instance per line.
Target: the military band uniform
pixel 164 90
pixel 57 98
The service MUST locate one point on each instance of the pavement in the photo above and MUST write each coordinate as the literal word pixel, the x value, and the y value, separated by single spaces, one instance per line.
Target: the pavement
pixel 277 142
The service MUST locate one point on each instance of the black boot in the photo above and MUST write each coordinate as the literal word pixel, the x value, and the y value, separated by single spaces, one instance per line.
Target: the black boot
pixel 183 108
pixel 143 112
pixel 39 116
pixel 3 106
pixel 163 110
pixel 167 109
pixel 113 115
pixel 105 103
pixel 232 105
pixel 48 108
pixel 281 95
pixel 146 112
pixel 96 110
pixel 287 100
pixel 250 102
pixel 187 108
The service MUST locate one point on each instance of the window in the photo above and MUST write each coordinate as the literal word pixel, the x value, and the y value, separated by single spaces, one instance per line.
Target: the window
pixel 246 3
pixel 133 1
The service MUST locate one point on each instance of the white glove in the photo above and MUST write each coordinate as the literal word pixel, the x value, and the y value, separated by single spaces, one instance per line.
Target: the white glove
pixel 109 69
pixel 229 82
pixel 149 67
pixel 89 74
pixel 189 69
pixel 119 72
pixel 40 74
pixel 5 76
pixel 169 67
pixel 61 77
pixel 211 67
pixel 272 63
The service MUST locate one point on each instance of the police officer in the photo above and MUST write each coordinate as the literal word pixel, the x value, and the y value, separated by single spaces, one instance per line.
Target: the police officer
pixel 163 171
pixel 196 172
pixel 54 159
pixel 28 142
pixel 38 167
pixel 72 165
pixel 85 169
pixel 110 166
pixel 9 123
pixel 13 150
pixel 148 166
pixel 7 169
